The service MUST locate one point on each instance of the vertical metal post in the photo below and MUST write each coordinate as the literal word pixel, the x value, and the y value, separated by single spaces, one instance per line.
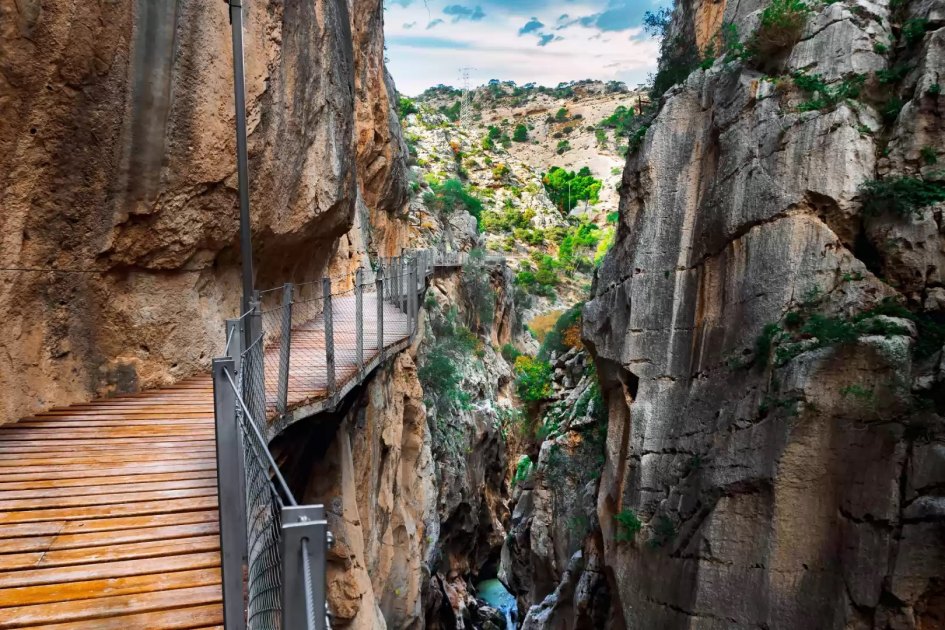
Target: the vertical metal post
pixel 328 316
pixel 242 159
pixel 304 551
pixel 412 297
pixel 380 313
pixel 402 283
pixel 236 338
pixel 359 320
pixel 285 350
pixel 232 508
pixel 395 281
pixel 254 378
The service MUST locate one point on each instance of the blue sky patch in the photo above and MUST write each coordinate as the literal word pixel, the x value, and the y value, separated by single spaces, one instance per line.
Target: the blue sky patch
pixel 542 41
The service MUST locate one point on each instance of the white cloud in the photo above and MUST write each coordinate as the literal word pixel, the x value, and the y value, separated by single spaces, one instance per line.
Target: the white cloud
pixel 493 47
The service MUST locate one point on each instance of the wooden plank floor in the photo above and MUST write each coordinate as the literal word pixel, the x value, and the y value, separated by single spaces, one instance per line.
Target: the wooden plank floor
pixel 308 376
pixel 108 510
pixel 108 514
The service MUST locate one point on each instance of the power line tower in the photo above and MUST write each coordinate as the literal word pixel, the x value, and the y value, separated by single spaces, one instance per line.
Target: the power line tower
pixel 465 108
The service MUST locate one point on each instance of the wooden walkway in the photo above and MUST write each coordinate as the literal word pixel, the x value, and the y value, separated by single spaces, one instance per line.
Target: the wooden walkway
pixel 108 510
pixel 308 376
pixel 108 514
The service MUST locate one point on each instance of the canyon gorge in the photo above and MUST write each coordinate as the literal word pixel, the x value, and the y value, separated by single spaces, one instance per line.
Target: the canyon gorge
pixel 692 374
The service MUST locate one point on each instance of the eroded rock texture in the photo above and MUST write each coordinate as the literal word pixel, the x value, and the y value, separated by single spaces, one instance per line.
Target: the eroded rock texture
pixel 796 483
pixel 372 467
pixel 117 155
pixel 468 446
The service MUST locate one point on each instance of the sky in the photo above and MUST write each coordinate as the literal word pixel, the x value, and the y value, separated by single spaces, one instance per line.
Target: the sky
pixel 540 41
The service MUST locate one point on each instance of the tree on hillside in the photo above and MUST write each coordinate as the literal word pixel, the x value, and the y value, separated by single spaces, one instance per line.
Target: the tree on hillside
pixel 562 114
pixel 621 121
pixel 450 196
pixel 567 188
pixel 520 134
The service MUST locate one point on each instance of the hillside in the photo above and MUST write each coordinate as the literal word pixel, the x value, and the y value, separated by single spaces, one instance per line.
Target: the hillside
pixel 500 162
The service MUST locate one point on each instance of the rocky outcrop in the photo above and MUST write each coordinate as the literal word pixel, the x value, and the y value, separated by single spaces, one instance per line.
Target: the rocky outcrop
pixel 117 150
pixel 466 385
pixel 381 151
pixel 551 559
pixel 772 451
pixel 371 466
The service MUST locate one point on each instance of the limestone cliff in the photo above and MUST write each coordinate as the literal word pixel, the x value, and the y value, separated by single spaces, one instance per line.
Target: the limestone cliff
pixel 371 465
pixel 117 152
pixel 768 331
pixel 466 385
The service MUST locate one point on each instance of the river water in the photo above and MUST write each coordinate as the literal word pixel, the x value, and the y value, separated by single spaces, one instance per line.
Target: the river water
pixel 494 594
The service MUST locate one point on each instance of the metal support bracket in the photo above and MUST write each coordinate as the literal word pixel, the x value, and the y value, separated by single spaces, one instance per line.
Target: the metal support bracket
pixel 305 540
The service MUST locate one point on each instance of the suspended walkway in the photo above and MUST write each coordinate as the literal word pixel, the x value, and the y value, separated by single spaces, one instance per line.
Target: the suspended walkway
pixel 165 509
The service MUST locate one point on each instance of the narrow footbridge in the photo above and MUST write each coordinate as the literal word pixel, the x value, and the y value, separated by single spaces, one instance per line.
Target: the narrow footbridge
pixel 165 509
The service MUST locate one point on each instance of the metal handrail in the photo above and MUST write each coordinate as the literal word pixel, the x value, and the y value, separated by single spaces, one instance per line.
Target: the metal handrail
pixel 267 539
pixel 261 442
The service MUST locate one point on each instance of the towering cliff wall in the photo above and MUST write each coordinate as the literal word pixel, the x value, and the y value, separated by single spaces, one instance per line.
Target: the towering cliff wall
pixel 768 329
pixel 117 159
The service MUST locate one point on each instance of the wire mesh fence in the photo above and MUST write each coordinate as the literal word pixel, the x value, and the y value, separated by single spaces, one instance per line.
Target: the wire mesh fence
pixel 319 337
pixel 298 343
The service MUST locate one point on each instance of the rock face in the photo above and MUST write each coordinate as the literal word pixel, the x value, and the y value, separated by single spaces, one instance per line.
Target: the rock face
pixel 373 469
pixel 468 443
pixel 784 475
pixel 117 151
pixel 551 559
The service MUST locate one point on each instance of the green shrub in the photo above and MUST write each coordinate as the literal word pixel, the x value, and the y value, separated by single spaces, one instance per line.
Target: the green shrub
pixel 902 196
pixel 562 115
pixel 934 90
pixel 764 341
pixel 601 136
pixel 914 30
pixel 556 339
pixel 880 49
pixel 929 156
pixel 450 196
pixel 567 188
pixel 780 27
pixel 439 373
pixel 664 530
pixel 451 112
pixel 477 288
pixel 678 56
pixel 824 96
pixel 893 75
pixel 563 147
pixel 628 525
pixel 533 379
pixel 406 106
pixel 520 134
pixel 636 139
pixel 620 121
pixel 510 353
pixel 890 110
pixel 523 469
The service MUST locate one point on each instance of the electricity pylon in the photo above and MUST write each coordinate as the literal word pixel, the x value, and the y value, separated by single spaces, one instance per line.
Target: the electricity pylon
pixel 465 107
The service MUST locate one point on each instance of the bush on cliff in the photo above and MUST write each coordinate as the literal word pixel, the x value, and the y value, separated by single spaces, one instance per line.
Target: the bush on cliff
pixel 780 27
pixel 564 335
pixel 902 196
pixel 450 196
pixel 532 379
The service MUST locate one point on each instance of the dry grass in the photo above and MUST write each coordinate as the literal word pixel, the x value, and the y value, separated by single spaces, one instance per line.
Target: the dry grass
pixel 541 325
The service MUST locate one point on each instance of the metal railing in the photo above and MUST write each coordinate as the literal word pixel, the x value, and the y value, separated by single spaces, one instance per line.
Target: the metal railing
pixel 296 344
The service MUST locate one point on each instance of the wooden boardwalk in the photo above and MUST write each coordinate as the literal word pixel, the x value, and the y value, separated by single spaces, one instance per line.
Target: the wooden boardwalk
pixel 108 514
pixel 108 510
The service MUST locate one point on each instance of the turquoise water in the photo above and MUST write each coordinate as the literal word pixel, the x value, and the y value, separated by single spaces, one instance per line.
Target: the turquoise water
pixel 494 594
